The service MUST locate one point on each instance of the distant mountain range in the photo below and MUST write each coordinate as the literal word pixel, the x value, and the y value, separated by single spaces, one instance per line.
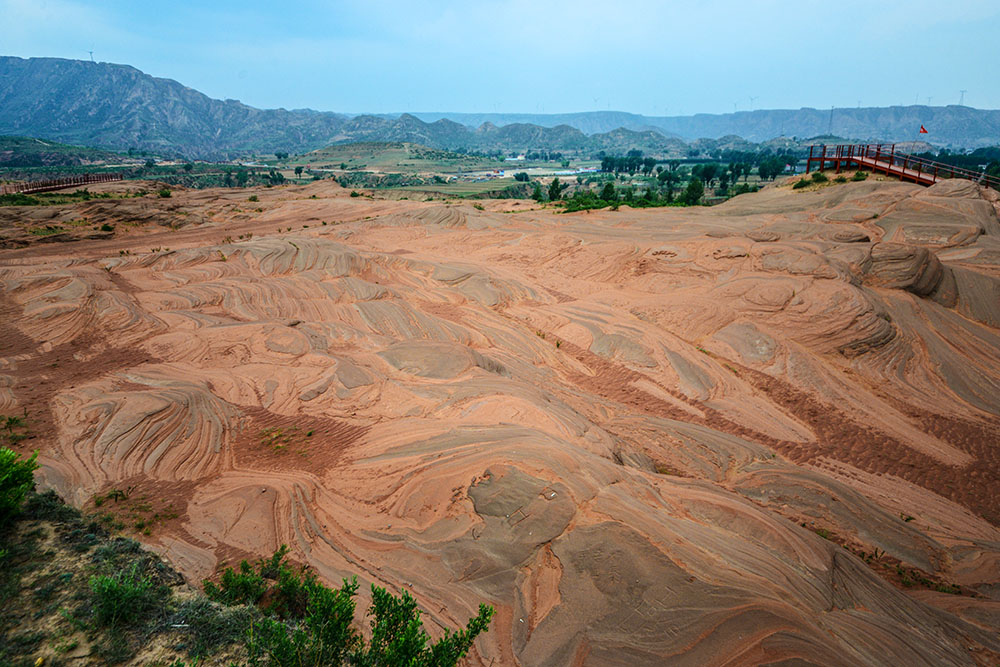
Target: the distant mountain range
pixel 953 126
pixel 118 107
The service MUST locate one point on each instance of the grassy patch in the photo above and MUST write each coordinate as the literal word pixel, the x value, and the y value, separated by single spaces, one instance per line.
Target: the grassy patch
pixel 47 230
pixel 125 596
pixel 124 508
pixel 57 198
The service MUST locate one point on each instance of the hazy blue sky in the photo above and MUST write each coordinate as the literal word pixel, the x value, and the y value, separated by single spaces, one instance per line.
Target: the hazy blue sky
pixel 540 56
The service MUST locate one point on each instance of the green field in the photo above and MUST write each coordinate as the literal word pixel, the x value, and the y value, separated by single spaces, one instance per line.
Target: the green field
pixel 391 157
pixel 460 189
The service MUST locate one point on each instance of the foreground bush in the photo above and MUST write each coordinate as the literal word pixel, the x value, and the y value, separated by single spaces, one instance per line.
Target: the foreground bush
pixel 68 584
pixel 17 479
pixel 323 633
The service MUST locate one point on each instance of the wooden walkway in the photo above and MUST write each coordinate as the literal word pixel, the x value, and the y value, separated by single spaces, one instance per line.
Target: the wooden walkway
pixel 30 187
pixel 886 159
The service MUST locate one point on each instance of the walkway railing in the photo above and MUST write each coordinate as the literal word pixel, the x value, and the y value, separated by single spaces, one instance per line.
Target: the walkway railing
pixel 29 187
pixel 887 159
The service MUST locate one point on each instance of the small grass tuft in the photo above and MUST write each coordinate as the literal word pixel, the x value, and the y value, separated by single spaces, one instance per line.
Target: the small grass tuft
pixel 125 596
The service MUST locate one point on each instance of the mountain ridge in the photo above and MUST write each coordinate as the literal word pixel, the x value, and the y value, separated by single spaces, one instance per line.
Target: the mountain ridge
pixel 118 107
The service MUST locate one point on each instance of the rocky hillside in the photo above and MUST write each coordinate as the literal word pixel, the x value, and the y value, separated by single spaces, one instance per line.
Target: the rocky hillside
pixel 17 152
pixel 119 107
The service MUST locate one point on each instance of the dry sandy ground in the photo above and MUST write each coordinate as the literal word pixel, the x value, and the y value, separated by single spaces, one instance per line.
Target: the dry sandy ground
pixel 629 431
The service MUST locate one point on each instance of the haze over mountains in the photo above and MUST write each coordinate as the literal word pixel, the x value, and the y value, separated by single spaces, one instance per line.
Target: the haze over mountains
pixel 119 107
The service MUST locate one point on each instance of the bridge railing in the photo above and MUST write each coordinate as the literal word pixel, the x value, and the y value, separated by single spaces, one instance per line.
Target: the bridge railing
pixel 886 157
pixel 29 187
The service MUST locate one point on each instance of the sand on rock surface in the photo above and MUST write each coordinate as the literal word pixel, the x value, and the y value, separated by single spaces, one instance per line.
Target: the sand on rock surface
pixel 762 432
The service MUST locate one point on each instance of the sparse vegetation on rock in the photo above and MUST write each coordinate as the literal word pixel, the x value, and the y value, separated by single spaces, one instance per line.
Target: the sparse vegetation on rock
pixel 105 600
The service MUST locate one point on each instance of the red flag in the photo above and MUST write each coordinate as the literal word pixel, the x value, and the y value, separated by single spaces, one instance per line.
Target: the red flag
pixel 923 130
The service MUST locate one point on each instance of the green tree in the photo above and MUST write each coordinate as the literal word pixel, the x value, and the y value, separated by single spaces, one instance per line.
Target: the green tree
pixel 608 192
pixel 188 167
pixel 298 171
pixel 536 193
pixel 693 193
pixel 242 176
pixel 709 172
pixel 555 190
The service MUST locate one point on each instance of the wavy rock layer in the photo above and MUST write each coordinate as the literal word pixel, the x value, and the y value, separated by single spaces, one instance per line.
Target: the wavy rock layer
pixel 629 431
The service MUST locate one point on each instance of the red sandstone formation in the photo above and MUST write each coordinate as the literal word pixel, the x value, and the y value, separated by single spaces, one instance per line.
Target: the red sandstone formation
pixel 629 431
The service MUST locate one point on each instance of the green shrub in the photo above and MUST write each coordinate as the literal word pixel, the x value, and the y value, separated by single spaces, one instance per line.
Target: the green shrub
pixel 801 183
pixel 125 596
pixel 286 590
pixel 107 228
pixel 859 175
pixel 252 198
pixel 323 632
pixel 819 177
pixel 243 587
pixel 324 637
pixel 17 479
pixel 355 193
pixel 398 637
pixel 583 200
pixel 164 193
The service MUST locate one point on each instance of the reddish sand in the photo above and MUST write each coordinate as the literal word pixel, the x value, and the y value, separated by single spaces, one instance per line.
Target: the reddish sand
pixel 628 431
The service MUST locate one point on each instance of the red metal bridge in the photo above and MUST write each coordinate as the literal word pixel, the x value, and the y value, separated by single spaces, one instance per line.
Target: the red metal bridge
pixel 30 187
pixel 886 159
